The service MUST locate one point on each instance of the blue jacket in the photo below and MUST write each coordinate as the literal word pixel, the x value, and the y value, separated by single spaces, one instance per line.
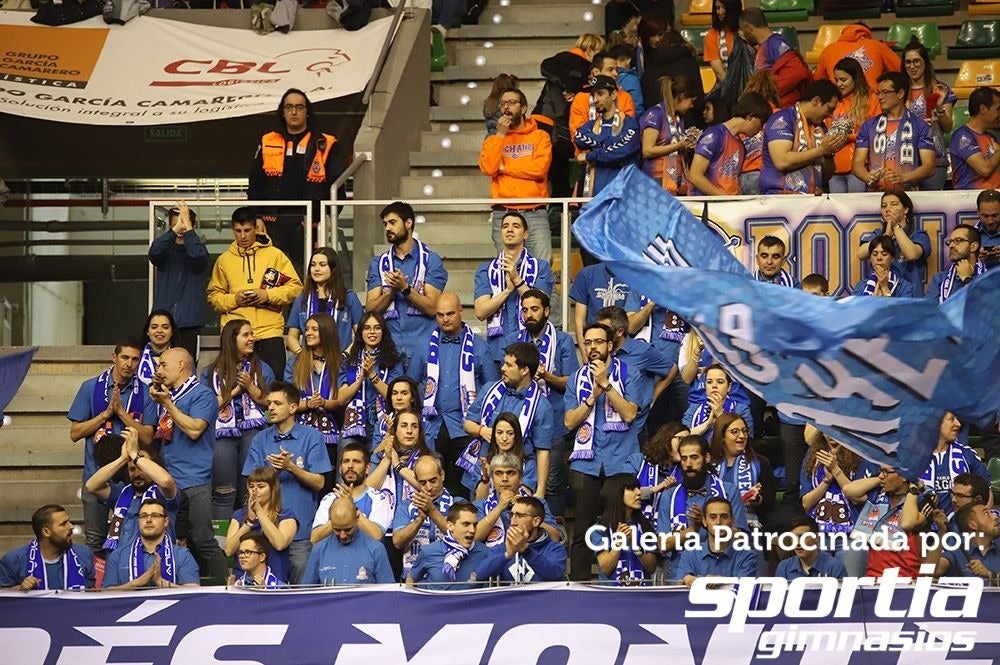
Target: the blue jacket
pixel 610 153
pixel 181 277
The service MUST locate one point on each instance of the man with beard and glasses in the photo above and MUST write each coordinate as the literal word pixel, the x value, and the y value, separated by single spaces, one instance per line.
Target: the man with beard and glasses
pixel 405 281
pixel 601 406
pixel 51 560
pixel 517 160
pixel 151 559
pixel 502 282
pixel 352 557
pixel 452 365
pixel 680 511
pixel 964 245
pixel 374 508
pixel 107 404
pixel 557 360
pixel 147 479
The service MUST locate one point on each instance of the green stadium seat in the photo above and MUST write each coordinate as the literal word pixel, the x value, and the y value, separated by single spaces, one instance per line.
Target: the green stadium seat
pixel 439 55
pixel 789 33
pixel 220 528
pixel 926 33
pixel 993 466
pixel 851 10
pixel 787 10
pixel 960 116
pixel 915 8
pixel 977 40
pixel 697 38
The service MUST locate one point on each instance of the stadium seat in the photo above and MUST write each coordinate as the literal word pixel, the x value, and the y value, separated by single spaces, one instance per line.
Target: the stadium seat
pixel 926 33
pixel 220 528
pixel 828 34
pixel 699 13
pixel 993 466
pixel 787 10
pixel 789 33
pixel 439 55
pixel 914 8
pixel 707 78
pixel 960 116
pixel 977 39
pixel 851 10
pixel 984 8
pixel 973 74
pixel 697 38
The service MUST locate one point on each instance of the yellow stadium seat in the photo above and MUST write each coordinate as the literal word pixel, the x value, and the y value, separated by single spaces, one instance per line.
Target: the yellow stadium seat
pixel 699 13
pixel 974 74
pixel 984 9
pixel 707 78
pixel 828 34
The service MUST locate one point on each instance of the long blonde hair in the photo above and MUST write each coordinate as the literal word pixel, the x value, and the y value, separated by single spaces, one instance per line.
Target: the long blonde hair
pixel 862 93
pixel 590 44
pixel 673 88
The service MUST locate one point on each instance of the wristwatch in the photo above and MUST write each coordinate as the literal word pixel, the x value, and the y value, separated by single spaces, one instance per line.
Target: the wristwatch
pixel 135 460
pixel 914 490
pixel 606 387
pixel 406 291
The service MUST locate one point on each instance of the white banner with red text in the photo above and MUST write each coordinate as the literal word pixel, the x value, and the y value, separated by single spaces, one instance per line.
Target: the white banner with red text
pixel 155 71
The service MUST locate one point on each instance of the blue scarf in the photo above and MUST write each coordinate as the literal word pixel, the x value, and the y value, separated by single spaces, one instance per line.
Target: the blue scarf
pixel 956 464
pixel 679 501
pixel 783 278
pixel 948 283
pixel 232 422
pixel 387 264
pixel 320 419
pixel 527 269
pixel 546 346
pixel 427 528
pixel 314 304
pixel 101 397
pixel 466 371
pixel 583 448
pixel 703 412
pixel 164 423
pixel 137 560
pixel 121 510
pixel 650 475
pixel 453 557
pixel 147 364
pixel 271 580
pixel 73 577
pixel 872 282
pixel 470 457
pixel 356 415
pixel 629 571
pixel 835 496
pixel 498 534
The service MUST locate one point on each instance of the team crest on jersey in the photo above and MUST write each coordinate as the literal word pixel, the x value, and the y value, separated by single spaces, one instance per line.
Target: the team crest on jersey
pixel 861 55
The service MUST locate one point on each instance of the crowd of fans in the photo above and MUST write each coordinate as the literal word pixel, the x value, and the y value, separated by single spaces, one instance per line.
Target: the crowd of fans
pixel 349 439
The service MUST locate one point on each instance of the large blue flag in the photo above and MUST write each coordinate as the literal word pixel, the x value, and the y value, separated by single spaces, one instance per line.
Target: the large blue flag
pixel 13 369
pixel 876 374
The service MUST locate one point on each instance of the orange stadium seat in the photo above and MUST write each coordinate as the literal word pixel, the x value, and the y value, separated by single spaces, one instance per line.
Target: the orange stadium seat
pixel 707 78
pixel 973 74
pixel 984 8
pixel 699 13
pixel 828 34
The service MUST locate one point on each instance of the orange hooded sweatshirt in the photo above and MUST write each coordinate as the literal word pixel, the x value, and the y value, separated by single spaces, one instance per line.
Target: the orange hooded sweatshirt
pixel 524 154
pixel 856 42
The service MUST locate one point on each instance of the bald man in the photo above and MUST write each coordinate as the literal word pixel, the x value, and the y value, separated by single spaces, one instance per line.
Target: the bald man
pixel 501 282
pixel 421 520
pixel 452 365
pixel 351 556
pixel 185 430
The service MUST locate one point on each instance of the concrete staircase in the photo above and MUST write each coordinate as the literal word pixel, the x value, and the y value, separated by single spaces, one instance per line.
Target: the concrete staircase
pixel 513 39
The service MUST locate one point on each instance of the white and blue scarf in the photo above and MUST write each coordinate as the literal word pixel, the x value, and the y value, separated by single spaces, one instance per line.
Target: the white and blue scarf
pixel 498 534
pixel 101 397
pixel 271 580
pixel 956 464
pixel 704 411
pixel 546 346
pixel 466 371
pixel 872 283
pixel 164 423
pixel 147 364
pixel 73 577
pixel 121 510
pixel 745 473
pixel 583 448
pixel 319 418
pixel 650 476
pixel 679 501
pixel 315 304
pixel 453 557
pixel 137 559
pixel 629 570
pixel 423 535
pixel 834 495
pixel 783 278
pixel 527 268
pixel 905 149
pixel 387 264
pixel 469 459
pixel 229 424
pixel 948 283
pixel 356 415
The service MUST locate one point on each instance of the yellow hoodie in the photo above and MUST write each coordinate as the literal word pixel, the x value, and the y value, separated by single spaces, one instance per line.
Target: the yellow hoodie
pixel 260 266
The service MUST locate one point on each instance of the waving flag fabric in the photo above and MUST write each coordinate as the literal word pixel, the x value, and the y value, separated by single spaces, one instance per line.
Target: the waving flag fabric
pixel 877 374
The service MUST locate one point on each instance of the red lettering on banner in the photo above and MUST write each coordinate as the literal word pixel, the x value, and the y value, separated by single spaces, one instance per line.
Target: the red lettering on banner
pixel 175 67
pixel 266 69
pixel 224 66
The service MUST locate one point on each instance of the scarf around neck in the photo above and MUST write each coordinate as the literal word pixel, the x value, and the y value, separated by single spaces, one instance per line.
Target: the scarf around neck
pixel 387 264
pixel 583 448
pixel 466 371
pixel 469 459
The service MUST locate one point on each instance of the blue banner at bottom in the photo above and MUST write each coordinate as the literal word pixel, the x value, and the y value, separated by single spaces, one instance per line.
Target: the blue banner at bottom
pixel 553 624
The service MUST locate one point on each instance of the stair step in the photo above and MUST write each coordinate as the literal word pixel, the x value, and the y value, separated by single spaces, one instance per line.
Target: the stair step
pixel 446 171
pixel 524 72
pixel 454 93
pixel 416 188
pixel 18 491
pixel 452 142
pixel 39 446
pixel 15 522
pixel 456 113
pixel 445 159
pixel 474 53
pixel 565 31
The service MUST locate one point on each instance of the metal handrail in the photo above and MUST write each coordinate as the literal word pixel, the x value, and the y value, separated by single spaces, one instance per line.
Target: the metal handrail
pixel 352 168
pixel 383 55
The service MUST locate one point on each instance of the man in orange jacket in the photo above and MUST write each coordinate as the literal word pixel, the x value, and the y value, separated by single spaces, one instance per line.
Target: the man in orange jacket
pixel 517 160
pixel 874 56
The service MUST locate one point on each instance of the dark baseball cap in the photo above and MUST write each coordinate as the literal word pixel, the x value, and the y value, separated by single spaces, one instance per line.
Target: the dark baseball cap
pixel 601 82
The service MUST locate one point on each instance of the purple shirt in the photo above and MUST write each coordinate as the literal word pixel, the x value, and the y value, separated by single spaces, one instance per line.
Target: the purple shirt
pixel 783 126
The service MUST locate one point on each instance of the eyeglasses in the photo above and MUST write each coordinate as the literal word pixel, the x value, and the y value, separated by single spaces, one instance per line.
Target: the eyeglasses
pixel 372 329
pixel 737 431
pixel 519 515
pixel 882 93
pixel 960 495
pixel 248 552
pixel 594 342
pixel 955 241
pixel 510 102
pixel 295 107
pixel 152 516
pixel 913 63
